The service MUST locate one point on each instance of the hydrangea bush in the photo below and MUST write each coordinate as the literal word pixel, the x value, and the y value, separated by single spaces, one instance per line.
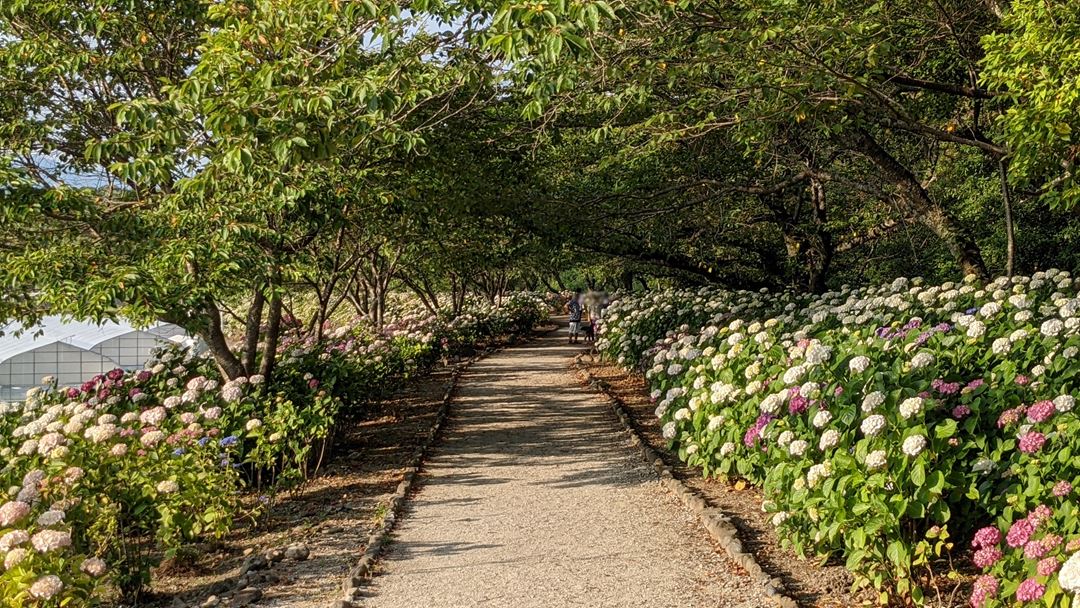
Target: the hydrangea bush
pixel 101 480
pixel 883 422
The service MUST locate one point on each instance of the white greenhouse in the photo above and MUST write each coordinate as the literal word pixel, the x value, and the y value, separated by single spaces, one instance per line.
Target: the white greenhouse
pixel 75 351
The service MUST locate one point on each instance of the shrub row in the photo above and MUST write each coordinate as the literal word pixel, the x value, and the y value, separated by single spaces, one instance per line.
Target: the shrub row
pixel 885 424
pixel 104 479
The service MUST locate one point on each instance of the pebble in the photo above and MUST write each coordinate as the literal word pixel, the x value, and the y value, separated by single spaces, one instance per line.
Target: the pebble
pixel 210 602
pixel 298 552
pixel 275 555
pixel 245 597
pixel 254 562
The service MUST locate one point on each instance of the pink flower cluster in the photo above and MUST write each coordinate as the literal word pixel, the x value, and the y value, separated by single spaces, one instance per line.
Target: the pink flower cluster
pixel 986 587
pixel 945 388
pixel 1010 416
pixel 798 403
pixel 986 544
pixel 986 537
pixel 1030 590
pixel 1020 533
pixel 1041 411
pixel 1019 536
pixel 1031 442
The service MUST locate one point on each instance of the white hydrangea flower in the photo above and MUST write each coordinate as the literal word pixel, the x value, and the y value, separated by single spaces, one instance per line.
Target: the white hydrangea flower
pixel 770 404
pixel 715 422
pixel 1001 346
pixel 798 447
pixel 873 425
pixel 921 360
pixel 911 406
pixel 872 401
pixel 876 460
pixel 817 473
pixel 785 439
pixel 1064 403
pixel 822 418
pixel 1069 576
pixel 1051 327
pixel 727 449
pixel 818 353
pixel 976 329
pixel 46 587
pixel 794 375
pixel 859 364
pixel 668 430
pixel 829 440
pixel 914 445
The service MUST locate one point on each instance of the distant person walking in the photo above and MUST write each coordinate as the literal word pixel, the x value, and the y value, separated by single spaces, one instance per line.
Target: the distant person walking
pixel 574 307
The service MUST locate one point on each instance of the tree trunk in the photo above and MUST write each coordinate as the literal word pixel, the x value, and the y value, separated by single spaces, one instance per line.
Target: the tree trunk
pixel 822 253
pixel 252 325
pixel 1010 236
pixel 211 332
pixel 917 203
pixel 273 331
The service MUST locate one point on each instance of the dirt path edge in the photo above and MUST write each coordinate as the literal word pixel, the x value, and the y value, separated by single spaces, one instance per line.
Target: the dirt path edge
pixel 715 521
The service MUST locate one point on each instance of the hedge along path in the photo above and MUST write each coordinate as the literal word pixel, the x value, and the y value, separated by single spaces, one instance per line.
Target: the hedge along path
pixel 533 498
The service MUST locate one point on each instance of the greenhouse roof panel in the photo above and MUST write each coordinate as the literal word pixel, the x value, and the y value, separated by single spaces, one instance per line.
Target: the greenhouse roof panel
pixel 82 334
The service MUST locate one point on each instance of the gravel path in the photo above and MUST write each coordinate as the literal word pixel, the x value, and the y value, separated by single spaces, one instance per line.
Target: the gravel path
pixel 533 499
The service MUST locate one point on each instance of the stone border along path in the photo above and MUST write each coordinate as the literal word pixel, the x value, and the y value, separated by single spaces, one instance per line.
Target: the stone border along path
pixel 532 498
pixel 715 521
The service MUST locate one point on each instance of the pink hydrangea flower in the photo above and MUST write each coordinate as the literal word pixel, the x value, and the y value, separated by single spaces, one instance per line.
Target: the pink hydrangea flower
pixel 1010 417
pixel 1034 550
pixel 1041 411
pixel 1023 380
pixel 1047 566
pixel 1019 533
pixel 988 556
pixel 1039 514
pixel 986 537
pixel 46 587
pixel 961 411
pixel 986 587
pixel 1030 591
pixel 1051 541
pixel 12 512
pixel 1062 488
pixel 1032 442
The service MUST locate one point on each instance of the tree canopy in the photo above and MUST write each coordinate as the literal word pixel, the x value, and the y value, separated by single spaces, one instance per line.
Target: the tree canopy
pixel 229 164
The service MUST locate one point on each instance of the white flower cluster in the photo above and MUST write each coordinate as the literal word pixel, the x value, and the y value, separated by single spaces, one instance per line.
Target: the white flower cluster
pixel 873 425
pixel 1069 576
pixel 914 445
pixel 817 473
pixel 911 406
